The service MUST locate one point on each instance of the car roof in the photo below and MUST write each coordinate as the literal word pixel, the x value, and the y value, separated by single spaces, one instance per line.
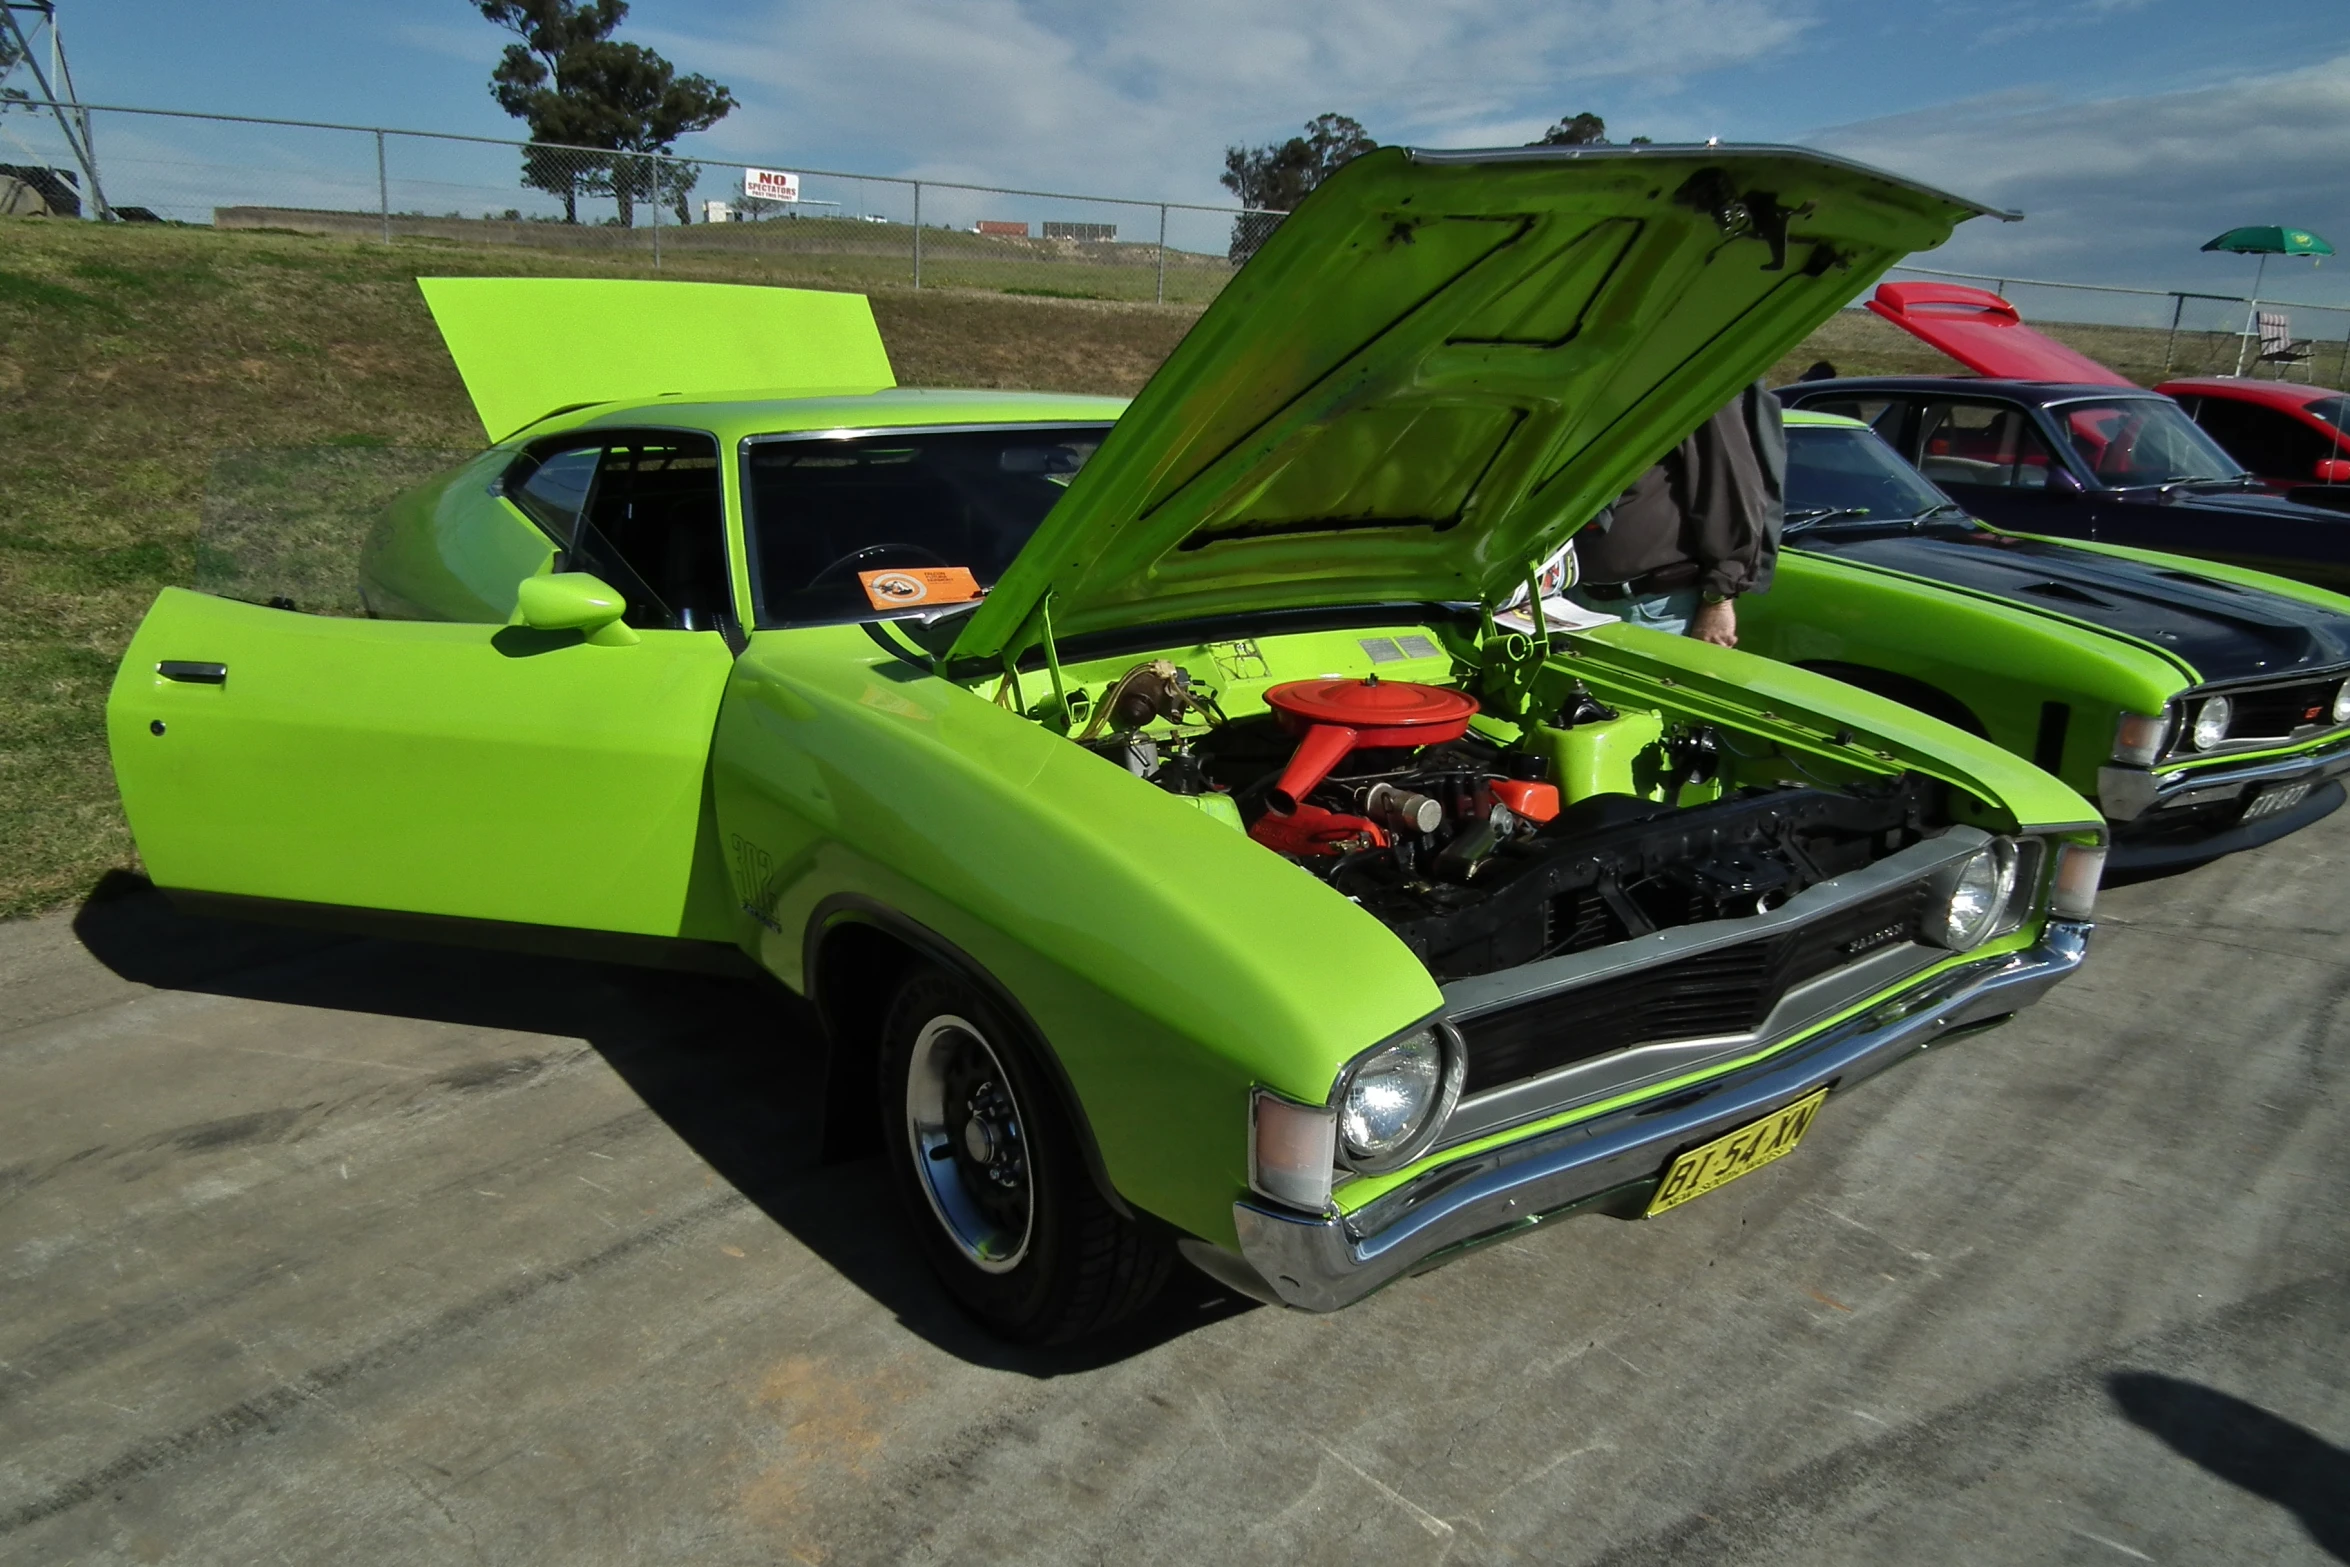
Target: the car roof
pixel 2039 392
pixel 2269 394
pixel 898 408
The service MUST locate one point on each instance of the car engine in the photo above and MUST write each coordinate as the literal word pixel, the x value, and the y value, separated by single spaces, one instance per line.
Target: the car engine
pixel 1482 856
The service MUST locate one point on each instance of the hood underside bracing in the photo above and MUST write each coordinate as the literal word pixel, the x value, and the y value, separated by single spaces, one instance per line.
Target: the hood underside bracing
pixel 1442 364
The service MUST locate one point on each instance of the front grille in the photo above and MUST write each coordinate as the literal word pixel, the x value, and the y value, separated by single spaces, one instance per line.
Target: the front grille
pixel 2280 712
pixel 1728 990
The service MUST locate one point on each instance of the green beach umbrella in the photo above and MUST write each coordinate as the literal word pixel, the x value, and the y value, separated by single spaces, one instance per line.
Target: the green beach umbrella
pixel 2269 239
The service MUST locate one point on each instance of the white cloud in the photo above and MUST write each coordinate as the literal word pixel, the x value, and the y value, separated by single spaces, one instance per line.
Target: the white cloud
pixel 2126 189
pixel 2026 17
pixel 1142 96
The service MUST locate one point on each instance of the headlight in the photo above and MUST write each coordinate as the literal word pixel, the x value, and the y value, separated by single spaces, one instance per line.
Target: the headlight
pixel 2138 741
pixel 2211 722
pixel 1973 897
pixel 1392 1099
pixel 2342 704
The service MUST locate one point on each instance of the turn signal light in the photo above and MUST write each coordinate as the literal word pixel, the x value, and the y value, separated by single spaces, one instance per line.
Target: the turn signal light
pixel 1292 1148
pixel 2073 895
pixel 2138 740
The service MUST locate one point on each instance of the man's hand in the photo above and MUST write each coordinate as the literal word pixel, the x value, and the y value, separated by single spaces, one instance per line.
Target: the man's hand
pixel 1716 623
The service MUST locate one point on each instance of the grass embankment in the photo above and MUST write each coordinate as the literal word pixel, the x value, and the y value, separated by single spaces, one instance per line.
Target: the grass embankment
pixel 821 252
pixel 153 381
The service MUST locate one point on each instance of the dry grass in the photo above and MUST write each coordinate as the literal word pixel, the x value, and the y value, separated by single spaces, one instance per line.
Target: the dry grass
pixel 158 384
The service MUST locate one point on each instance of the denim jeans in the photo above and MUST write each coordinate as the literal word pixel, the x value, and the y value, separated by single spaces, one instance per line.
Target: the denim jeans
pixel 1666 612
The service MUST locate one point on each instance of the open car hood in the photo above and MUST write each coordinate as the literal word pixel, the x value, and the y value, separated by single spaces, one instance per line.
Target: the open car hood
pixel 1986 334
pixel 1442 364
pixel 529 347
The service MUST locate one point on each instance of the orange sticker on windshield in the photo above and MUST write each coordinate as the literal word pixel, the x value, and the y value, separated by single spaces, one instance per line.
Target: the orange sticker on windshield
pixel 909 587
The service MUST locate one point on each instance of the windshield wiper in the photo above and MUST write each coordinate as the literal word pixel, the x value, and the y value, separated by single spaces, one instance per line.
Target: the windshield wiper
pixel 1806 516
pixel 1942 509
pixel 2240 481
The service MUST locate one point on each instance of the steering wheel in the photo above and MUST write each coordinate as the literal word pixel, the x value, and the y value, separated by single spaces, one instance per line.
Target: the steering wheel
pixel 869 559
pixel 2120 456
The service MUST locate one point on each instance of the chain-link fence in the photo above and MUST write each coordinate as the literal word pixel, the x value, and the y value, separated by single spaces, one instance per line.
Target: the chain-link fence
pixel 2151 334
pixel 830 228
pixel 783 222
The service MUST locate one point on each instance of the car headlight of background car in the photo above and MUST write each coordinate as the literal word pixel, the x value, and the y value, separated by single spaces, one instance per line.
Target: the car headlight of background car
pixel 2342 703
pixel 1970 897
pixel 2212 718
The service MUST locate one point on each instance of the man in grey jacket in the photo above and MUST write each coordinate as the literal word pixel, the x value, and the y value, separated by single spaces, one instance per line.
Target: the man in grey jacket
pixel 1692 534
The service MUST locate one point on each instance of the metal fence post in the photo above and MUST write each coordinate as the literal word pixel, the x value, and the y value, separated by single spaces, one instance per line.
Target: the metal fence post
pixel 383 188
pixel 1162 252
pixel 917 233
pixel 656 195
pixel 90 146
pixel 2178 308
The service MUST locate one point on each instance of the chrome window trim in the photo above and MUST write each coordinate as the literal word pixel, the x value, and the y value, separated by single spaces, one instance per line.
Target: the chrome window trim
pixel 861 432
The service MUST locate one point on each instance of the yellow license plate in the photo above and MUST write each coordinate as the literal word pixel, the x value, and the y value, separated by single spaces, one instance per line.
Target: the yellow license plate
pixel 1728 1157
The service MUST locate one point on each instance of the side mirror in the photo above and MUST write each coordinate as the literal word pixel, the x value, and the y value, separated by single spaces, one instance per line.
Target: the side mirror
pixel 2333 470
pixel 574 601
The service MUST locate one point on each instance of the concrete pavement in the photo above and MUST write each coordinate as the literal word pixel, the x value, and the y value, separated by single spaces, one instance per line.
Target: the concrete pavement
pixel 317 1249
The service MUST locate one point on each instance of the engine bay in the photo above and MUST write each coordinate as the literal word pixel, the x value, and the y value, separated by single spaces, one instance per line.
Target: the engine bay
pixel 1494 819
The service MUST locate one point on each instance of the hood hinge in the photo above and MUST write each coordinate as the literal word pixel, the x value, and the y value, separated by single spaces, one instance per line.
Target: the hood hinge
pixel 1510 662
pixel 1037 630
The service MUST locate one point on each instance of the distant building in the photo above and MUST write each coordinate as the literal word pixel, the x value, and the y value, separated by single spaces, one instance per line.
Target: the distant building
pixel 1089 233
pixel 719 212
pixel 1007 230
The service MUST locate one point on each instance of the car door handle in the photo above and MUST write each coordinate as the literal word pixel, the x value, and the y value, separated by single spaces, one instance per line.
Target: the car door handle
pixel 193 673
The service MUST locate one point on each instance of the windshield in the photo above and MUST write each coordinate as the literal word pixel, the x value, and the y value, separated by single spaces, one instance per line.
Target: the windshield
pixel 2139 440
pixel 2330 410
pixel 1837 473
pixel 820 510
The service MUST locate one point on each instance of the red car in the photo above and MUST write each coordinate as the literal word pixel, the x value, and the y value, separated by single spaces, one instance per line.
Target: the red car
pixel 2297 438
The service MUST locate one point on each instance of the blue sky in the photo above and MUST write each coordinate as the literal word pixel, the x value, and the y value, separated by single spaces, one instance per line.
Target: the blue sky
pixel 2129 130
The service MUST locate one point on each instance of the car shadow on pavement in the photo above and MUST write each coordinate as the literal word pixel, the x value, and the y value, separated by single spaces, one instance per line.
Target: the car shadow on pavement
pixel 2246 1446
pixel 731 1066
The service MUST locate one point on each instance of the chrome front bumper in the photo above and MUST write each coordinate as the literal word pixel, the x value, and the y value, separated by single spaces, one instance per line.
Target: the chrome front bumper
pixel 2138 801
pixel 1321 1264
pixel 2130 794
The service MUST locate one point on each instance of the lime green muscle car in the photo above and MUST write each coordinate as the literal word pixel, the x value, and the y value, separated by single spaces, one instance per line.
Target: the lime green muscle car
pixel 1182 860
pixel 2205 707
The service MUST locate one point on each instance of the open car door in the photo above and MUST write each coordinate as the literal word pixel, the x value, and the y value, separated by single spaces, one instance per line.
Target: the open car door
pixel 479 771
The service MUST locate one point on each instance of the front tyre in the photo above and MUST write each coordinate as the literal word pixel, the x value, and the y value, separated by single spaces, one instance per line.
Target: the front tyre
pixel 989 1171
